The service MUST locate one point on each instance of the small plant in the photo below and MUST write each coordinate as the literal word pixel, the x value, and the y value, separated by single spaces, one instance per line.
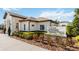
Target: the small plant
pixel 28 35
pixel 15 34
pixel 77 40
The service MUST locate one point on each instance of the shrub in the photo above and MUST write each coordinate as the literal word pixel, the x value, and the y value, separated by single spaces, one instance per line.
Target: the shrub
pixel 38 33
pixel 77 38
pixel 69 30
pixel 28 35
pixel 15 34
pixel 20 34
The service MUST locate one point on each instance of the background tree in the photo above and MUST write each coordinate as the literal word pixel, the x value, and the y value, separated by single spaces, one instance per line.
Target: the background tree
pixel 77 11
pixel 75 22
pixel 74 28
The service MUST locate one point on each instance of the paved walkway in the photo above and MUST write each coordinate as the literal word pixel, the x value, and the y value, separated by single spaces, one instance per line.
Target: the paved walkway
pixel 10 44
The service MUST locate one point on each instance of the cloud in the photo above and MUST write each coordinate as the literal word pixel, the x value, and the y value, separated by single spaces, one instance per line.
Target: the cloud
pixel 11 9
pixel 60 15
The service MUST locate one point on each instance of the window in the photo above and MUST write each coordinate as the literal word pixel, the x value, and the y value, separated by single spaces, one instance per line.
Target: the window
pixel 32 25
pixel 41 27
pixel 24 27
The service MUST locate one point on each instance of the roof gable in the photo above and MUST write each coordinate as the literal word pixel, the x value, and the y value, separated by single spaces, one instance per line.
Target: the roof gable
pixel 14 15
pixel 5 15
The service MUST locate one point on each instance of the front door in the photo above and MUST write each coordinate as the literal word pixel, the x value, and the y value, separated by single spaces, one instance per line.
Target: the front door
pixel 42 27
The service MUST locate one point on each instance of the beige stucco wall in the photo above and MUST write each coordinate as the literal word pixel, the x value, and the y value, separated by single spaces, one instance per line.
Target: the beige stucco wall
pixel 35 27
pixel 46 24
pixel 32 28
pixel 22 26
pixel 15 20
pixel 12 20
pixel 7 21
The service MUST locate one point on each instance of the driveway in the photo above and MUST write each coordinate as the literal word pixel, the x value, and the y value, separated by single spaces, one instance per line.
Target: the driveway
pixel 10 44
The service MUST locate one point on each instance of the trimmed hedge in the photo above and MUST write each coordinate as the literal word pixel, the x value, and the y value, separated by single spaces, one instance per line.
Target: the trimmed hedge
pixel 28 35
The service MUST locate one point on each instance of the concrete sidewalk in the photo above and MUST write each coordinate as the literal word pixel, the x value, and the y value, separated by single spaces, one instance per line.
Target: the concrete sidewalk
pixel 11 44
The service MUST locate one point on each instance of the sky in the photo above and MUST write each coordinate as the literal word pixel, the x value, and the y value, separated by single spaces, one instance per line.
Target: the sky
pixel 60 14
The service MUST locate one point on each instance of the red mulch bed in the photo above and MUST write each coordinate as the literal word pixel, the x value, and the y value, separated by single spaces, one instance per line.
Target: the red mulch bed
pixel 46 46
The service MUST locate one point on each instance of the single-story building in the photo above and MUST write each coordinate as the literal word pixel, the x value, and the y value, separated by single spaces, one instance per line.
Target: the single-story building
pixel 18 22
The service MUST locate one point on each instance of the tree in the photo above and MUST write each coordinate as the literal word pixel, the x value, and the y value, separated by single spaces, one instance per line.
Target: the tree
pixel 74 29
pixel 77 11
pixel 75 22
